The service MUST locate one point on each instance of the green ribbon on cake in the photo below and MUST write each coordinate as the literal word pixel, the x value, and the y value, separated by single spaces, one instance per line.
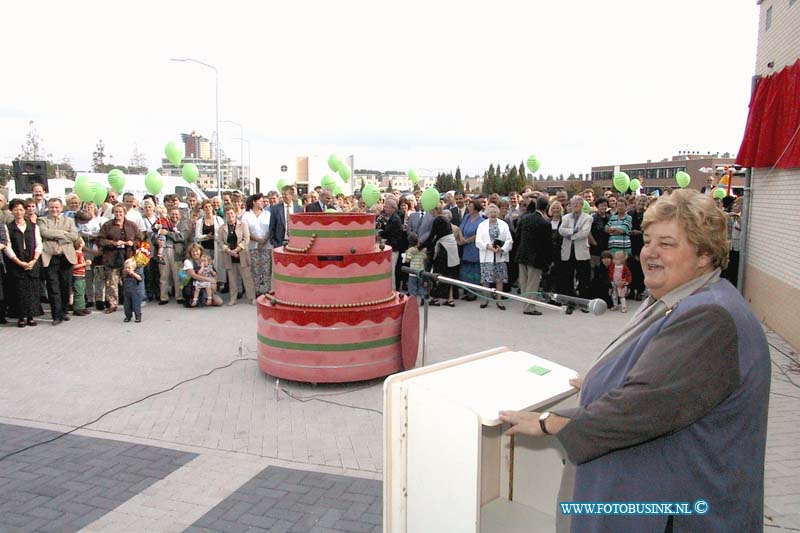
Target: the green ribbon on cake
pixel 308 347
pixel 331 281
pixel 332 233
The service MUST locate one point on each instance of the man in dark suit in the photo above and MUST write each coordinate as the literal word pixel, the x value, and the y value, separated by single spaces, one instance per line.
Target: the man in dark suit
pixel 535 251
pixel 459 210
pixel 279 216
pixel 322 204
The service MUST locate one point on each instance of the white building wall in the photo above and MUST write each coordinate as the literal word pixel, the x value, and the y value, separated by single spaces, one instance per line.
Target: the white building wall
pixel 781 43
pixel 774 233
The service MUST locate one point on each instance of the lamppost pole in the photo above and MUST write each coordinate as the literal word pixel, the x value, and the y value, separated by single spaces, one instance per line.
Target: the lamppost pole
pixel 242 141
pixel 241 147
pixel 216 112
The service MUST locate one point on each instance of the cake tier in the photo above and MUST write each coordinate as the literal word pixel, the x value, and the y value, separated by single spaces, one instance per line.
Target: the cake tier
pixel 306 278
pixel 332 233
pixel 329 345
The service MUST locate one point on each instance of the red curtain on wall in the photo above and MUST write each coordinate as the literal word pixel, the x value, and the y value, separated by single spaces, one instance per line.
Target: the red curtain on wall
pixel 773 122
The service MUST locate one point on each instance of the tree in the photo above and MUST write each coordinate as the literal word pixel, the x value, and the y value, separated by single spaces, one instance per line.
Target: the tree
pixel 98 158
pixel 33 149
pixel 459 185
pixel 138 164
pixel 571 176
pixel 390 187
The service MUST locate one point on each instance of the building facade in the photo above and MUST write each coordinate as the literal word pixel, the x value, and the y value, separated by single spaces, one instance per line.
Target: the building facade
pixel 196 146
pixel 661 174
pixel 208 172
pixel 772 257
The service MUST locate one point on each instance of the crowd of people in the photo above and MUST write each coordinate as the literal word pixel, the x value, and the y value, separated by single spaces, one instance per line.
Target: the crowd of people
pixel 78 256
pixel 530 242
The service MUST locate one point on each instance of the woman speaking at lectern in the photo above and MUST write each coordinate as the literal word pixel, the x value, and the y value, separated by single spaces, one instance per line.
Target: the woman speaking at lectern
pixel 675 408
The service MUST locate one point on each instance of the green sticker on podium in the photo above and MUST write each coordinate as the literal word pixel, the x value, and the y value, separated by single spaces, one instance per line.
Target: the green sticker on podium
pixel 538 370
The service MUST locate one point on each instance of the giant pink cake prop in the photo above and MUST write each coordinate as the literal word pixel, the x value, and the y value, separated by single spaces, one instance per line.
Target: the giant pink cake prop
pixel 333 315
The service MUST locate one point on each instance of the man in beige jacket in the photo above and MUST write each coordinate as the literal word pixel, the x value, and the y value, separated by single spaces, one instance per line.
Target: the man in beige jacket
pixel 59 235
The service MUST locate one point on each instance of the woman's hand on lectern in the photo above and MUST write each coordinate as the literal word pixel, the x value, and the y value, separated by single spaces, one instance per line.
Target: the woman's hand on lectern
pixel 576 382
pixel 524 422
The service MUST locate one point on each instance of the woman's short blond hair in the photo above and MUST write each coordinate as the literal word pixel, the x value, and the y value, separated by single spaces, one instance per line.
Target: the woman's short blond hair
pixel 703 222
pixel 191 248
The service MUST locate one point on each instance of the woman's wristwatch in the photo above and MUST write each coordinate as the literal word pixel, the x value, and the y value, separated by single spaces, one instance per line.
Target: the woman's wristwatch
pixel 543 422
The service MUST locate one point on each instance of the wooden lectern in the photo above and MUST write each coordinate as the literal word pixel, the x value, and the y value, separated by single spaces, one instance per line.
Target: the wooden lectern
pixel 448 466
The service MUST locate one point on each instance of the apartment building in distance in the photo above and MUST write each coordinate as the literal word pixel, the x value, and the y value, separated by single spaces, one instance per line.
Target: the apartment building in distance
pixel 658 175
pixel 771 149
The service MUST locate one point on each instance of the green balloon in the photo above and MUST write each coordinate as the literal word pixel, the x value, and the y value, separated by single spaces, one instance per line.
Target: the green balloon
pixel 371 195
pixel 412 176
pixel 719 193
pixel 635 185
pixel 173 153
pixel 621 181
pixel 533 163
pixel 84 188
pixel 429 199
pixel 586 207
pixel 100 194
pixel 334 163
pixel 328 182
pixel 190 172
pixel 329 210
pixel 683 179
pixel 337 190
pixel 344 172
pixel 153 182
pixel 116 178
pixel 281 184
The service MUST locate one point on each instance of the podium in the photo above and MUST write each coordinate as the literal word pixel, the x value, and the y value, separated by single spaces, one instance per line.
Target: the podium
pixel 448 466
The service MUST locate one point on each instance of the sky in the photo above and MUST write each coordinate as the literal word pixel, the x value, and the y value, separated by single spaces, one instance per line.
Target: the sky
pixel 427 85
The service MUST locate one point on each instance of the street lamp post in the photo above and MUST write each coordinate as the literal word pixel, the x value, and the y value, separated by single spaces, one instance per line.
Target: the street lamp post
pixel 241 145
pixel 241 140
pixel 216 112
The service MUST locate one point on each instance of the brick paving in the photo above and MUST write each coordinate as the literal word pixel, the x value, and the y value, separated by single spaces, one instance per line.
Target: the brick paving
pixel 237 427
pixel 782 475
pixel 289 500
pixel 71 482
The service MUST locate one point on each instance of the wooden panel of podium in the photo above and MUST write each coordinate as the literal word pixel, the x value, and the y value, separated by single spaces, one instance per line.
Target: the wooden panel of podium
pixel 448 466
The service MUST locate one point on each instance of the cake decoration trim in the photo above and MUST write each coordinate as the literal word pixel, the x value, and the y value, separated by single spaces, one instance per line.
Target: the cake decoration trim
pixel 331 281
pixel 345 347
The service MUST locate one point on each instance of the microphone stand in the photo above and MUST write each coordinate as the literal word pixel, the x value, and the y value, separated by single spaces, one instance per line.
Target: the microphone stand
pixel 428 277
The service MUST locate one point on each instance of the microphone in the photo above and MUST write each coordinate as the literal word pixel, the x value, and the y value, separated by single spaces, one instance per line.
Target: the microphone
pixel 420 273
pixel 596 307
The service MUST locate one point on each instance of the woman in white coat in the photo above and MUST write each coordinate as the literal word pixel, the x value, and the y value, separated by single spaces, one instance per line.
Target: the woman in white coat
pixel 493 240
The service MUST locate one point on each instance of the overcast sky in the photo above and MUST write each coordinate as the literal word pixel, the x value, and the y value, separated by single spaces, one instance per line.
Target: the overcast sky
pixel 428 85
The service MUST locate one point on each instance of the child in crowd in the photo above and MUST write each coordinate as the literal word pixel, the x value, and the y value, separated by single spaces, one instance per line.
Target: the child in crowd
pixel 206 270
pixel 601 285
pixel 162 222
pixel 620 277
pixel 416 260
pixel 131 281
pixel 79 280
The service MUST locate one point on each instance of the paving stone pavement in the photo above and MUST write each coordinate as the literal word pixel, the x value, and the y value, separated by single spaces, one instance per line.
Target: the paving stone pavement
pixel 69 483
pixel 283 499
pixel 782 465
pixel 236 424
